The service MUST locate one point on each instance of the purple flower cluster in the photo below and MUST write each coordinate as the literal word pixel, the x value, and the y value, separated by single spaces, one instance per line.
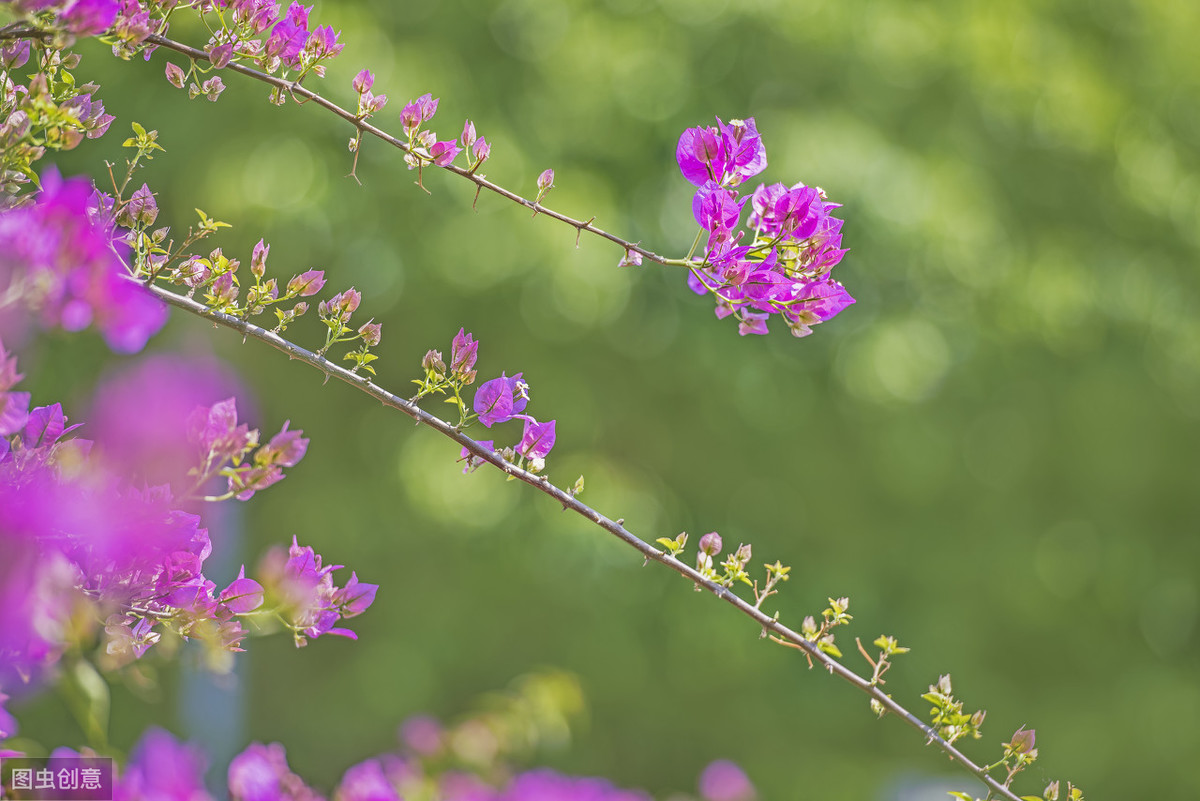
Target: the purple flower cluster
pixel 71 532
pixel 75 534
pixel 368 103
pixel 291 43
pixel 41 114
pixel 261 32
pixel 796 241
pixel 222 446
pixel 498 401
pixel 305 596
pixel 160 766
pixel 425 147
pixel 80 17
pixel 65 270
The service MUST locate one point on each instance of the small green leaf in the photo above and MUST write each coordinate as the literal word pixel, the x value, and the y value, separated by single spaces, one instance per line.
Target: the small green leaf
pixel 966 797
pixel 830 649
pixel 138 129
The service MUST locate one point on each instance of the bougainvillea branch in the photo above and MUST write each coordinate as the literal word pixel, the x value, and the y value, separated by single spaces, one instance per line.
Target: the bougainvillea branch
pixel 304 94
pixel 481 452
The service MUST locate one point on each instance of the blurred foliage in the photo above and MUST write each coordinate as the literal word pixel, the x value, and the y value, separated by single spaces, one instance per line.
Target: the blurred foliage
pixel 992 453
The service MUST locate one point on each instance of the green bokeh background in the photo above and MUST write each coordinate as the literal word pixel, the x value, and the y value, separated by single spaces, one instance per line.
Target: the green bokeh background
pixel 993 454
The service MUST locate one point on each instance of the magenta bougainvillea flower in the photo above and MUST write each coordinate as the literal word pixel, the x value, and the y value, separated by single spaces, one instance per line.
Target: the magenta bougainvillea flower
pixel 501 399
pixel 306 596
pixel 151 446
pixel 726 155
pixel 464 350
pixel 162 767
pixel 784 269
pixel 90 17
pixel 537 439
pixel 71 274
pixel 725 781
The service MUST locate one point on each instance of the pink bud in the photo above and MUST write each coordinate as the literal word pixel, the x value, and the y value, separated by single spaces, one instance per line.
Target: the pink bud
pixel 220 55
pixel 481 150
pixel 710 543
pixel 363 82
pixel 175 75
pixel 371 333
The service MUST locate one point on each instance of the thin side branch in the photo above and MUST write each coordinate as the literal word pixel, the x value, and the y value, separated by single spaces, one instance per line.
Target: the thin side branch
pixel 299 91
pixel 568 501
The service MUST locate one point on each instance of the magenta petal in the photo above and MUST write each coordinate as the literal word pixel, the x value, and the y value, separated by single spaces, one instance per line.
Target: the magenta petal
pixel 537 440
pixel 44 425
pixel 242 595
pixel 14 411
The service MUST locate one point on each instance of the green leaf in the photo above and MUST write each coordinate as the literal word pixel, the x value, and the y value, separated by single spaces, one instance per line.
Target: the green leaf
pixel 965 796
pixel 830 649
pixel 138 129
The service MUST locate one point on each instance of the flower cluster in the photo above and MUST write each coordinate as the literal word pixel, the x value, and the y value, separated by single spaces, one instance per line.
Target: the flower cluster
pixel 796 241
pixel 496 401
pixel 503 399
pixel 161 766
pixel 126 22
pixel 57 264
pixel 47 110
pixel 259 32
pixel 368 103
pixel 304 596
pixel 75 535
pixel 425 148
pixel 223 448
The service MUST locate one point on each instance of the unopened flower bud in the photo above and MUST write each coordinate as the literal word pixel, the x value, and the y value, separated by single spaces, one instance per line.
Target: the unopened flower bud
pixel 432 363
pixel 140 210
pixel 464 350
pixel 742 556
pixel 1023 741
pixel 363 82
pixel 373 103
pixel 305 284
pixel 258 259
pixel 14 53
pixel 481 150
pixel 631 259
pixel 219 56
pixel 545 180
pixel 370 333
pixel 710 543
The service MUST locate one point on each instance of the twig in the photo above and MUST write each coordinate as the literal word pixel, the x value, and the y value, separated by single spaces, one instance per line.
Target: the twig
pixel 361 124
